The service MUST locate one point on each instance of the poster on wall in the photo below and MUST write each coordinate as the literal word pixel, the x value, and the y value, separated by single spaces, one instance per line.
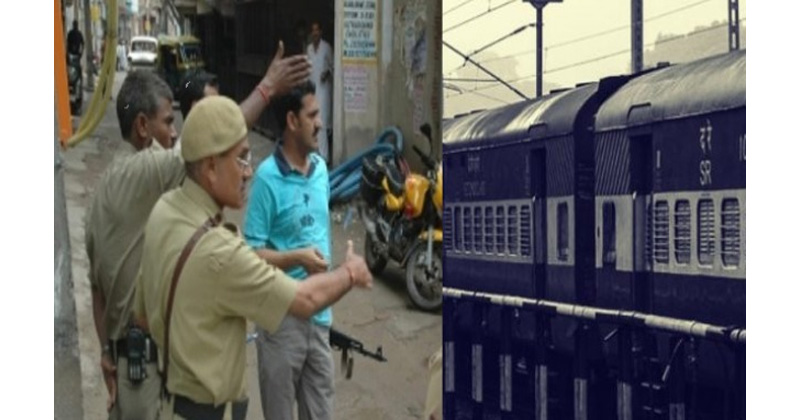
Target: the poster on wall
pixel 360 30
pixel 356 79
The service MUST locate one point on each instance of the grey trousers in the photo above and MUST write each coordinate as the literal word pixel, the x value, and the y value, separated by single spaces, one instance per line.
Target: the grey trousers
pixel 296 363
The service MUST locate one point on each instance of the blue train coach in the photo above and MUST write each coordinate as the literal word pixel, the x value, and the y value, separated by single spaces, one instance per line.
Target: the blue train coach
pixel 594 250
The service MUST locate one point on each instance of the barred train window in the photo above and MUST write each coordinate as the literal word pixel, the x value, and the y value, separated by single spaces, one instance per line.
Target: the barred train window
pixel 500 228
pixel 563 232
pixel 705 231
pixel 513 245
pixel 447 223
pixel 458 238
pixel 648 236
pixel 683 232
pixel 488 228
pixel 661 232
pixel 609 234
pixel 730 232
pixel 478 229
pixel 525 230
pixel 467 229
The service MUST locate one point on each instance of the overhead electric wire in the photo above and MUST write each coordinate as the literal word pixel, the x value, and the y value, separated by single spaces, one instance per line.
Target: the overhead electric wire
pixel 456 7
pixel 485 70
pixel 458 25
pixel 594 59
pixel 502 38
pixel 596 34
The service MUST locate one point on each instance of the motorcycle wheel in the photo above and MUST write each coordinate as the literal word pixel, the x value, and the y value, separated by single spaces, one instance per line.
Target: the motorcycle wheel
pixel 425 290
pixel 375 262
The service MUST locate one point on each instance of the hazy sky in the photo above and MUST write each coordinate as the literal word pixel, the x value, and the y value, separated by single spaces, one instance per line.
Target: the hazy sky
pixel 563 22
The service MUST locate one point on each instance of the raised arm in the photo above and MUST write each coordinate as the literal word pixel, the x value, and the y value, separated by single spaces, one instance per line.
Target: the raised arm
pixel 282 75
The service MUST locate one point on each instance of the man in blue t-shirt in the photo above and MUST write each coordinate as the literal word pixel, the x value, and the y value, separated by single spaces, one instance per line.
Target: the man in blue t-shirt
pixel 288 224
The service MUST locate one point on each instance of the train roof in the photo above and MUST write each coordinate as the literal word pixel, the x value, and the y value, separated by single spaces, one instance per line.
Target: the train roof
pixel 555 112
pixel 707 85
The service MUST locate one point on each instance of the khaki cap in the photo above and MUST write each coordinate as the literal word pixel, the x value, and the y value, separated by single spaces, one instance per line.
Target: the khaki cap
pixel 214 125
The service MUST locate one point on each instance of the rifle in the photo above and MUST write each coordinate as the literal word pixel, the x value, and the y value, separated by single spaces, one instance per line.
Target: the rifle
pixel 341 341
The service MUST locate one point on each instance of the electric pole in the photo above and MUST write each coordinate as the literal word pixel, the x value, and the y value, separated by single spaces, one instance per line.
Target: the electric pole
pixel 733 25
pixel 539 6
pixel 637 45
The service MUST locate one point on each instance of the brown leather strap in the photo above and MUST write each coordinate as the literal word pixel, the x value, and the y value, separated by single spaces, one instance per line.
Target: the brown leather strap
pixel 214 221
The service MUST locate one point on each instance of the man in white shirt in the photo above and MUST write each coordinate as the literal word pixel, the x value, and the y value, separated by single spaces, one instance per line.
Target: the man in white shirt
pixel 321 56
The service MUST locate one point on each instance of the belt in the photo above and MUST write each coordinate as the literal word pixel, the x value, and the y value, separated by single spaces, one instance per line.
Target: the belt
pixel 119 348
pixel 189 409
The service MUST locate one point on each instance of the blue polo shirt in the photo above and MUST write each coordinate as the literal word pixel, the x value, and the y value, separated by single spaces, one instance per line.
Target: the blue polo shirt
pixel 287 210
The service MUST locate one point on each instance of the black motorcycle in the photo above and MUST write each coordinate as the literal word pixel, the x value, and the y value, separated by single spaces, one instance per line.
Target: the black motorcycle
pixel 75 78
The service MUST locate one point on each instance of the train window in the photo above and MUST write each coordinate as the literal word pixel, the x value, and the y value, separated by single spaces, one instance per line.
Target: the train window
pixel 661 232
pixel 513 229
pixel 447 224
pixel 683 232
pixel 648 236
pixel 730 232
pixel 705 230
pixel 488 229
pixel 563 232
pixel 458 237
pixel 500 228
pixel 525 234
pixel 609 234
pixel 478 229
pixel 467 229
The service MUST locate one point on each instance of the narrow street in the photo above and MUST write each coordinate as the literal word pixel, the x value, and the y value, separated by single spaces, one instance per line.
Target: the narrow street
pixel 383 316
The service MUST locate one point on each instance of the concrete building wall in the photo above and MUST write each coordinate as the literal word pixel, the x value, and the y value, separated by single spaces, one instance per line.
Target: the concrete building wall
pixel 387 73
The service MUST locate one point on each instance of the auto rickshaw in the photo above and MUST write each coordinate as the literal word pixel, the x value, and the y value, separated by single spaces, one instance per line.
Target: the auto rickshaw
pixel 178 57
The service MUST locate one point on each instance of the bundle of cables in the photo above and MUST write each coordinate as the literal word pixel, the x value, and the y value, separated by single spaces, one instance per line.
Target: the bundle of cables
pixel 346 177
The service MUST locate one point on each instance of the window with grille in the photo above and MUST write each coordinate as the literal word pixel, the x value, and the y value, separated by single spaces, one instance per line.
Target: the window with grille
pixel 500 229
pixel 661 232
pixel 683 231
pixel 467 229
pixel 525 234
pixel 705 231
pixel 513 231
pixel 563 232
pixel 648 236
pixel 730 232
pixel 477 226
pixel 488 229
pixel 447 224
pixel 458 238
pixel 609 234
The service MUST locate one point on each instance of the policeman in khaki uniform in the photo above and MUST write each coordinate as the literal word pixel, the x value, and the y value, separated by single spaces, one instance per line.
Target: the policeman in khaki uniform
pixel 219 281
pixel 128 189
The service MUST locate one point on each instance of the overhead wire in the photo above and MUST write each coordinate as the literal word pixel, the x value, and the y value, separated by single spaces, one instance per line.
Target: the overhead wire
pixel 594 59
pixel 452 9
pixel 492 9
pixel 594 35
pixel 591 60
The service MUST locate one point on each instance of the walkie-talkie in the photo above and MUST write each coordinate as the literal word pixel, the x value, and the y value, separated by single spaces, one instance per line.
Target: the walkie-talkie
pixel 137 345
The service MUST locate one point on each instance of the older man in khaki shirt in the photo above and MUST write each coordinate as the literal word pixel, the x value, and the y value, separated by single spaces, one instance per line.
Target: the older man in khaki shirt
pixel 200 282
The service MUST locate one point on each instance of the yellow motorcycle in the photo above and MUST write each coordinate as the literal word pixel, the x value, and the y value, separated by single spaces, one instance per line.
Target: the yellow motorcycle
pixel 403 219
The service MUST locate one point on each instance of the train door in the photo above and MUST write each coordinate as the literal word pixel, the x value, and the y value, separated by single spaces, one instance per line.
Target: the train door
pixel 641 394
